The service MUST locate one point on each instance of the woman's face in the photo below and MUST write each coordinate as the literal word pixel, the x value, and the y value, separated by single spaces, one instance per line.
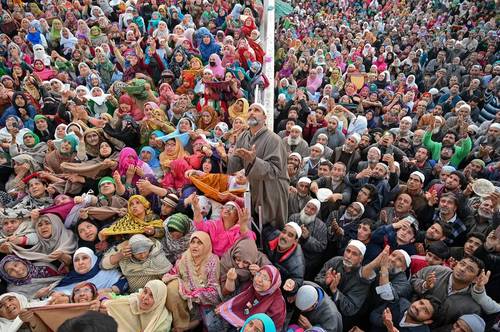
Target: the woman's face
pixel 36 188
pixel 81 93
pixel 66 147
pixel 18 71
pixel 137 208
pixel 146 300
pixel 16 269
pixel 60 131
pixel 206 117
pixel 39 65
pixel 10 307
pixel 184 125
pixel 146 156
pixel 170 146
pixel 83 295
pixel 229 214
pixel 206 40
pixel 92 139
pixel 44 228
pixel 262 281
pixel 207 166
pixel 238 124
pixel 87 231
pixel 41 124
pixel 125 108
pixel 196 247
pixel 105 150
pixel 19 101
pixel 29 140
pixel 65 33
pixel 255 325
pixel 82 263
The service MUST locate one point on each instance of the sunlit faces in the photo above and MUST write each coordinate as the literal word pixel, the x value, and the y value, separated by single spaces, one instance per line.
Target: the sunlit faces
pixel 105 149
pixel 83 294
pixel 287 238
pixel 185 125
pixel 36 188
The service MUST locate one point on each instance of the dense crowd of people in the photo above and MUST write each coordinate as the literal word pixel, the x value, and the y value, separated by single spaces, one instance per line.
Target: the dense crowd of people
pixel 141 189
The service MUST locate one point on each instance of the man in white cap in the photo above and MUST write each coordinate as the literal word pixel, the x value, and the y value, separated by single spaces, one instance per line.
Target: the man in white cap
pixel 348 153
pixel 314 236
pixel 299 195
pixel 316 309
pixel 285 253
pixel 341 278
pixel 295 143
pixel 404 129
pixel 311 163
pixel 487 146
pixel 373 157
pixel 414 187
pixel 263 156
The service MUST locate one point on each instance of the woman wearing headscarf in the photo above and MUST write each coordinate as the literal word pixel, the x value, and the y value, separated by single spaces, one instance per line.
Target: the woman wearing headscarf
pixel 56 243
pixel 86 267
pixel 28 143
pixel 239 109
pixel 258 322
pixel 173 151
pixel 138 220
pixel 94 168
pixel 144 311
pixel 65 153
pixel 206 44
pixel 54 36
pixel 244 259
pixel 44 128
pixel 262 296
pixel 150 157
pixel 131 168
pixel 20 108
pixel 154 119
pixel 193 284
pixel 207 120
pixel 182 132
pixel 140 259
pixel 28 278
pixel 178 229
pixel 175 179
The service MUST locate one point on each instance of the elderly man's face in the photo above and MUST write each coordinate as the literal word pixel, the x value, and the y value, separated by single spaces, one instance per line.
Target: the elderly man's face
pixel 295 133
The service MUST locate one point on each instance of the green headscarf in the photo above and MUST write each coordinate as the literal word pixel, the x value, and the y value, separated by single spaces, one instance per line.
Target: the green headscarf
pixel 35 136
pixel 55 34
pixel 39 117
pixel 136 88
pixel 106 179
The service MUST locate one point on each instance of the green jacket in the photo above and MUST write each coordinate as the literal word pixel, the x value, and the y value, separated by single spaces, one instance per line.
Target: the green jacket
pixel 461 151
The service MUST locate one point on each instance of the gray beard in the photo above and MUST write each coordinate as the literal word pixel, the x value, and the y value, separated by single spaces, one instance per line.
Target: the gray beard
pixel 293 141
pixel 305 219
pixel 252 122
pixel 487 216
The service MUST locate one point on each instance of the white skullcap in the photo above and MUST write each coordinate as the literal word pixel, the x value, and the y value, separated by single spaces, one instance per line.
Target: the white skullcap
pixel 299 128
pixel 259 106
pixel 420 175
pixel 208 70
pixel 356 137
pixel 433 91
pixel 407 257
pixel 495 125
pixel 305 180
pixel 358 245
pixel 323 134
pixel 473 127
pixel 295 154
pixel 376 149
pixel 361 207
pixel 306 297
pixel 407 119
pixel 296 228
pixel 316 203
pixel 319 146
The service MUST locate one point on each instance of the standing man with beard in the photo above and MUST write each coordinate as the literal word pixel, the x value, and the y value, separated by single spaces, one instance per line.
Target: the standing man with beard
pixel 295 143
pixel 263 156
pixel 342 279
pixel 314 236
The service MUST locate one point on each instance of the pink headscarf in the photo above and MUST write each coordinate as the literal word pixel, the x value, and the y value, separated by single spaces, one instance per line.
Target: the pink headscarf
pixel 124 161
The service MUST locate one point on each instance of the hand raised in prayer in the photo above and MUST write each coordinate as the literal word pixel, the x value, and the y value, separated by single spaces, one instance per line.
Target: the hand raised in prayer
pixel 387 319
pixel 126 251
pixel 482 280
pixel 430 280
pixel 304 322
pixel 35 214
pixel 139 171
pixel 243 216
pixel 117 177
pixel 5 248
pixel 130 171
pixel 431 197
pixel 305 232
pixel 289 285
pixel 195 203
pixel 231 274
pixel 247 155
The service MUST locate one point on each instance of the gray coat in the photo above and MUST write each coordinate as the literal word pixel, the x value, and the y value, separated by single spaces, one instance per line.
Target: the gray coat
pixel 316 243
pixel 352 290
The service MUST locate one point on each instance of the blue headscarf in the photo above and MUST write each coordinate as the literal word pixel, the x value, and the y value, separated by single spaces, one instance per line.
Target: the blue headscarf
pixel 206 50
pixel 236 12
pixel 182 137
pixel 266 321
pixel 35 37
pixel 154 163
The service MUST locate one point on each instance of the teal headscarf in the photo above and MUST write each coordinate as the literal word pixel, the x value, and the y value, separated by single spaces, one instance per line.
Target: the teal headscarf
pixel 72 140
pixel 266 321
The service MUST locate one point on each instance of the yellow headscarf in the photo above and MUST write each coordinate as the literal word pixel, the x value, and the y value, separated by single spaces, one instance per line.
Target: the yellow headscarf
pixel 243 114
pixel 131 224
